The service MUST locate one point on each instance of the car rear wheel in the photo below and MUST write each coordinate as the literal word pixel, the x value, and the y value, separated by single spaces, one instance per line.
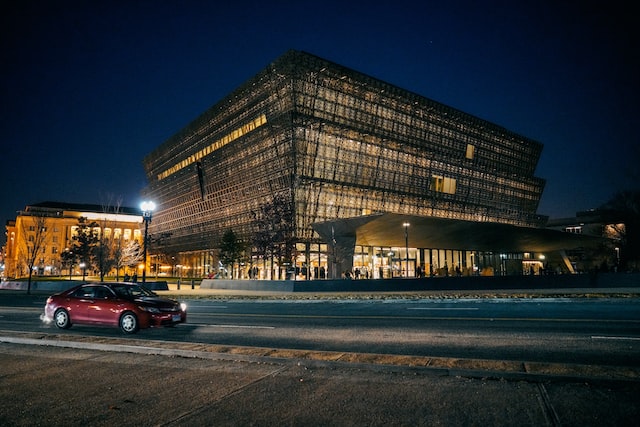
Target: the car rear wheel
pixel 62 319
pixel 129 323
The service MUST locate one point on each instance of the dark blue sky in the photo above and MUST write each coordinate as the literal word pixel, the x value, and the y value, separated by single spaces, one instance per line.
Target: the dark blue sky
pixel 90 87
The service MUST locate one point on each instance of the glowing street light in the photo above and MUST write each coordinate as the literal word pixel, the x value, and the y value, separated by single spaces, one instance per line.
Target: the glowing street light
pixel 147 208
pixel 406 247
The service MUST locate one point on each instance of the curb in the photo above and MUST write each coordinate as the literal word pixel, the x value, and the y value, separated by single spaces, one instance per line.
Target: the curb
pixel 471 368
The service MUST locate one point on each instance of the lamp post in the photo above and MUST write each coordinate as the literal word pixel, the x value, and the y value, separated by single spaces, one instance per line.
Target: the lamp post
pixel 83 266
pixel 406 248
pixel 147 210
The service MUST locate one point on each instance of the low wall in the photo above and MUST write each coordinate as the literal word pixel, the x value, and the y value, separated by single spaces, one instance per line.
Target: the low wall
pixel 62 285
pixel 568 281
pixel 565 281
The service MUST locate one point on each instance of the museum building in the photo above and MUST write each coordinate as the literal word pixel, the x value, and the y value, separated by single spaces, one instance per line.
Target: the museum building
pixel 373 180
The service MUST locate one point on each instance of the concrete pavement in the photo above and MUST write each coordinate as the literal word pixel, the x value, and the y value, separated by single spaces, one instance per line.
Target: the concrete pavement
pixel 104 382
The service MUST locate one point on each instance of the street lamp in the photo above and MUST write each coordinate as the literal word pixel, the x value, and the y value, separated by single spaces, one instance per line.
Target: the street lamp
pixel 147 210
pixel 406 247
pixel 83 266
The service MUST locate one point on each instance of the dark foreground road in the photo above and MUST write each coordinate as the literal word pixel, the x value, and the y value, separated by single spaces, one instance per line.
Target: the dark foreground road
pixel 57 383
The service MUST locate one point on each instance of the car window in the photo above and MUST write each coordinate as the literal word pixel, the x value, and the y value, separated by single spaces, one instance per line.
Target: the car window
pixel 102 292
pixel 122 291
pixel 84 292
pixel 134 291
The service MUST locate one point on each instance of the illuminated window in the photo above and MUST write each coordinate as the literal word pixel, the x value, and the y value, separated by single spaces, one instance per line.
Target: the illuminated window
pixel 470 151
pixel 127 234
pixel 443 184
pixel 230 137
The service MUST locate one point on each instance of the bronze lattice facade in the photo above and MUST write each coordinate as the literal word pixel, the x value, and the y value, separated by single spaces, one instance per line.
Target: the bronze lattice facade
pixel 339 144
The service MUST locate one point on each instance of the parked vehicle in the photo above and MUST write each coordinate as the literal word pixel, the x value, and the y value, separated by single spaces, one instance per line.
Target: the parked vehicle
pixel 128 306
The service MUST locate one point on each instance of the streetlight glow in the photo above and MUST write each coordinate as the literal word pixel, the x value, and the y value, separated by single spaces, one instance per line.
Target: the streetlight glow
pixel 147 207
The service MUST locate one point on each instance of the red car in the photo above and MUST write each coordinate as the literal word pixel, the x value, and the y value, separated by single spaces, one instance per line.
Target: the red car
pixel 126 305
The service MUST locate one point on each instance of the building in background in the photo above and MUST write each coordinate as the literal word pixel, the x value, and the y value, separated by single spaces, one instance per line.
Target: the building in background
pixel 330 150
pixel 52 225
pixel 595 223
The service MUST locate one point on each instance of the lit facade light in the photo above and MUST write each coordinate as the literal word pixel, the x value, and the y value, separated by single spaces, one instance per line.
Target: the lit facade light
pixel 147 208
pixel 406 247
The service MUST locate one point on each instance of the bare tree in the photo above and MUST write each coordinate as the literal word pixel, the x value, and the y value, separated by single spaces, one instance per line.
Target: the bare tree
pixel 107 246
pixel 274 234
pixel 127 254
pixel 35 231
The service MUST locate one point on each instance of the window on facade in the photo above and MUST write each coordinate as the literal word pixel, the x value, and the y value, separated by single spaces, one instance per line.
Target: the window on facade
pixel 443 184
pixel 127 234
pixel 470 151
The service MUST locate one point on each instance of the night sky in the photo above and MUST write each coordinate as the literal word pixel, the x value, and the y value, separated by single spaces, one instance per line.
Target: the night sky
pixel 90 87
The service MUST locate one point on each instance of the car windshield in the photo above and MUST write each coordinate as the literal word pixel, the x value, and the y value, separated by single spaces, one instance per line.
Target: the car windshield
pixel 134 291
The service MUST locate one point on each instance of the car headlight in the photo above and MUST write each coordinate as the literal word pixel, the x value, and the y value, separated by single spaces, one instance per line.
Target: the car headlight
pixel 149 309
pixel 183 306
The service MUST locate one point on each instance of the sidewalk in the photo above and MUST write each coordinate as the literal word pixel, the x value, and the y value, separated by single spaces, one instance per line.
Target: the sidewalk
pixel 80 386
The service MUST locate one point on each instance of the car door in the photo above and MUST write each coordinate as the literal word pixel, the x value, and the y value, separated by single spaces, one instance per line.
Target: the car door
pixel 103 307
pixel 79 302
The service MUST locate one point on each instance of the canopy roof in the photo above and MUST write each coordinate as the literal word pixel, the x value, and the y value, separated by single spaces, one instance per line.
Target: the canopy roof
pixel 388 229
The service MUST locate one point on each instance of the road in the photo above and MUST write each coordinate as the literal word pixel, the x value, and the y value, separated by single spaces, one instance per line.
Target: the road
pixel 596 331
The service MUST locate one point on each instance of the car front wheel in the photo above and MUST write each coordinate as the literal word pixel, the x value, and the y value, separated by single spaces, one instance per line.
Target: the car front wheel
pixel 129 323
pixel 62 319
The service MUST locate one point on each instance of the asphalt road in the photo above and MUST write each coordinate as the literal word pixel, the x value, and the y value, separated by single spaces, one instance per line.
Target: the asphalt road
pixel 596 331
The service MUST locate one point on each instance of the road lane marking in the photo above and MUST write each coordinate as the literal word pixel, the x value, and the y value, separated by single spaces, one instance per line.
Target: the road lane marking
pixel 390 317
pixel 236 326
pixel 600 337
pixel 446 309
